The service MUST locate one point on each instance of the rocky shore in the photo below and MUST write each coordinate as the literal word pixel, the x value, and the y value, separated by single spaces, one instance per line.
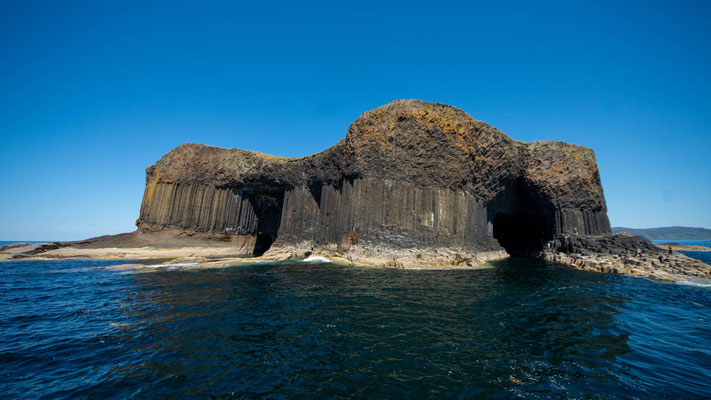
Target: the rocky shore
pixel 209 257
pixel 617 254
pixel 411 185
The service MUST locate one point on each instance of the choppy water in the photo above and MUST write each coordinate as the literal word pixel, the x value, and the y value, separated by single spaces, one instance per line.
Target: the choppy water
pixel 77 329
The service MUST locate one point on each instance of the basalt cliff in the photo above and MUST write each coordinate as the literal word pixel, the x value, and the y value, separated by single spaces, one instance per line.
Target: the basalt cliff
pixel 410 180
pixel 413 184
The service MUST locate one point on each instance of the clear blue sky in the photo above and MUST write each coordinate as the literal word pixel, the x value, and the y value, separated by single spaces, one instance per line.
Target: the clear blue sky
pixel 91 93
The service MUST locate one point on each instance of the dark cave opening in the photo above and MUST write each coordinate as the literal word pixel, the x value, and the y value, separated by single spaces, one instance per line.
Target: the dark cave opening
pixel 268 207
pixel 520 234
pixel 263 243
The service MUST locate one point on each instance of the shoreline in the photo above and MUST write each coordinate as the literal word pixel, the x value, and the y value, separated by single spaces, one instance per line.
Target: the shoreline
pixel 216 257
pixel 677 268
pixel 682 247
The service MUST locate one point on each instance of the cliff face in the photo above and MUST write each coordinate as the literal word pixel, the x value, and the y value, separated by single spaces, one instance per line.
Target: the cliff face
pixel 409 174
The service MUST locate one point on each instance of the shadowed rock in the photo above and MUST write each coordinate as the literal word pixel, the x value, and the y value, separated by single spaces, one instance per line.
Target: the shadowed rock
pixel 412 185
pixel 408 175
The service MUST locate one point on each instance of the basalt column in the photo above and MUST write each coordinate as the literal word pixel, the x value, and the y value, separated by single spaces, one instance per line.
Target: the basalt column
pixel 409 174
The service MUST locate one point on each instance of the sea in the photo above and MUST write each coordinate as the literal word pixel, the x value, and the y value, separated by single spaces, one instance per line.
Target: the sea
pixel 523 328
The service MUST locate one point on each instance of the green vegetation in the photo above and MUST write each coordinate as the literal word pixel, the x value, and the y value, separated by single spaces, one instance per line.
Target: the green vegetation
pixel 273 158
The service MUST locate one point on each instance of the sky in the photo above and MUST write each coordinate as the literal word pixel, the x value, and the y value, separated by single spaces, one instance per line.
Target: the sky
pixel 92 93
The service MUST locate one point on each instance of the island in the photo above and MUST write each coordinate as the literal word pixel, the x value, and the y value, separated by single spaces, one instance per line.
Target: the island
pixel 668 233
pixel 413 184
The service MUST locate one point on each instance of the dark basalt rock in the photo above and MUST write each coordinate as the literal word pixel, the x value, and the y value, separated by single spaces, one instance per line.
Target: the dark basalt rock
pixel 408 174
pixel 26 250
pixel 622 244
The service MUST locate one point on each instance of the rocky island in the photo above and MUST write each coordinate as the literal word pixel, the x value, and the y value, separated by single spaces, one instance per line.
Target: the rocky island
pixel 412 184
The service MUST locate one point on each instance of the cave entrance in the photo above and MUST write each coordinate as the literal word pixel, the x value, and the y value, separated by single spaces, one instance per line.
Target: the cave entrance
pixel 267 208
pixel 263 243
pixel 520 234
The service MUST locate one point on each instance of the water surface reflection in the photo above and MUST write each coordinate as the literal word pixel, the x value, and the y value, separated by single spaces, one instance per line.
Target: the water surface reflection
pixel 77 329
pixel 296 329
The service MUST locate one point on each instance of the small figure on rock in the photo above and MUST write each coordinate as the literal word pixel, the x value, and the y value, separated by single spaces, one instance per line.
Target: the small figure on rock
pixel 670 251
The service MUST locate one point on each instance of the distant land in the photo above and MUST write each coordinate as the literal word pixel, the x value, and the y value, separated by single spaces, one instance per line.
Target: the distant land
pixel 668 232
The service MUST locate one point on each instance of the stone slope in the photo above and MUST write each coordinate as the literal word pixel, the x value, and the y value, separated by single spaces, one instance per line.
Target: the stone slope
pixel 408 175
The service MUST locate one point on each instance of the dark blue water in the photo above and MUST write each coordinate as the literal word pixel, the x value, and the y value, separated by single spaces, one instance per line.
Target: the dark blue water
pixel 77 329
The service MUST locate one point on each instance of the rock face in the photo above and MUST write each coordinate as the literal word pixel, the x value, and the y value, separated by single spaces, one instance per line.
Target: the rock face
pixel 408 175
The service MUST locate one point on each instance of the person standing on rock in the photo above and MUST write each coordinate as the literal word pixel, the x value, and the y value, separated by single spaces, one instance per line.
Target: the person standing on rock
pixel 670 251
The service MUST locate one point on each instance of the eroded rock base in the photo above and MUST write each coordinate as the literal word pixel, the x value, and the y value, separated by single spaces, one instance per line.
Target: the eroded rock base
pixel 382 256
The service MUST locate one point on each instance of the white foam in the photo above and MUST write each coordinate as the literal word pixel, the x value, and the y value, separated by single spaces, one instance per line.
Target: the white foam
pixel 180 265
pixel 316 259
pixel 698 284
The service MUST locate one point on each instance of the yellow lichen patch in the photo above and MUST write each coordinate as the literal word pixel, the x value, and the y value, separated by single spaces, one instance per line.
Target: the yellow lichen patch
pixel 451 122
pixel 371 135
pixel 152 189
pixel 456 125
pixel 594 175
pixel 556 167
pixel 554 170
